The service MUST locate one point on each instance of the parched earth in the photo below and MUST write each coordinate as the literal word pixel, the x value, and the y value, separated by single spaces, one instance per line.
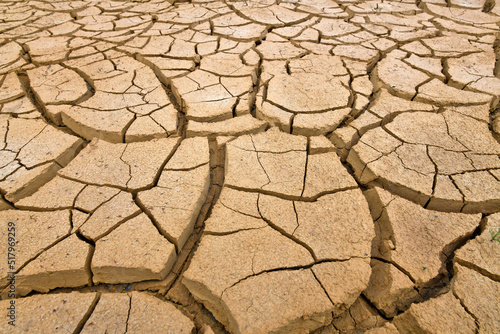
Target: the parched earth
pixel 294 166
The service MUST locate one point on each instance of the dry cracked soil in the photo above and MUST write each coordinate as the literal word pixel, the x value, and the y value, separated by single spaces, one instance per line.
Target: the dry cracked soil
pixel 261 166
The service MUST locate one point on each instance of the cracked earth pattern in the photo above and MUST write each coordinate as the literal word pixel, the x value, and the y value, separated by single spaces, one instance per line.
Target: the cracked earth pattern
pixel 258 166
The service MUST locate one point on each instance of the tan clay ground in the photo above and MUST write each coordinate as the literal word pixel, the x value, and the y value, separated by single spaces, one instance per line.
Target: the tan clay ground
pixel 294 166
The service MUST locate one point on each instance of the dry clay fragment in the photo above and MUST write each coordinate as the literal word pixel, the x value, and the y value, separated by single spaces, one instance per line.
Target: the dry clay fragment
pixel 110 214
pixel 93 197
pixel 135 312
pixel 400 78
pixel 148 255
pixel 59 193
pixel 54 84
pixel 49 49
pixel 416 239
pixel 127 166
pixel 312 89
pixel 161 123
pixel 181 191
pixel 176 202
pixel 104 207
pixel 235 211
pixel 245 253
pixel 422 317
pixel 10 88
pixel 34 232
pixel 10 55
pixel 103 124
pixel 148 314
pixel 268 167
pixel 336 226
pixel 477 294
pixel 54 313
pixel 483 253
pixel 40 150
pixel 110 314
pixel 64 265
pixel 436 92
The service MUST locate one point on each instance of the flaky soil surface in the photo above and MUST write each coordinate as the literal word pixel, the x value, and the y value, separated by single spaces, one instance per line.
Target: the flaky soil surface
pixel 290 166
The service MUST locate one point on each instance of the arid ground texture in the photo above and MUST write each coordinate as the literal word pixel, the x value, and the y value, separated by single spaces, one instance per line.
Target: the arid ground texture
pixel 294 166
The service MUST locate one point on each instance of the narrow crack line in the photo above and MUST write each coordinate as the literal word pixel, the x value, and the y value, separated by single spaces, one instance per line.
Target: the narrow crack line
pixel 5 136
pixel 98 206
pixel 253 262
pixel 462 303
pixel 322 286
pixel 233 232
pixel 161 168
pixel 401 269
pixel 160 125
pixel 260 163
pixel 257 71
pixel 272 152
pixel 186 169
pixel 88 80
pixel 290 197
pixel 87 314
pixel 27 143
pixel 52 161
pixel 156 224
pixel 460 191
pixel 456 138
pixel 71 219
pixel 291 268
pixel 127 127
pixel 494 176
pixel 369 302
pixel 128 313
pixel 352 317
pixel 296 218
pixel 239 212
pixel 117 225
pixel 436 171
pixel 285 234
pixel 90 255
pixel 417 88
pixel 408 168
pixel 306 165
pixel 478 269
